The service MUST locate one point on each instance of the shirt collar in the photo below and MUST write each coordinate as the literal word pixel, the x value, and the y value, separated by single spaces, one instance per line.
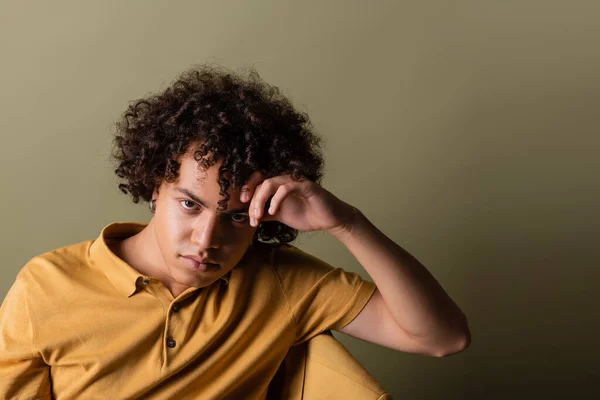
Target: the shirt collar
pixel 119 273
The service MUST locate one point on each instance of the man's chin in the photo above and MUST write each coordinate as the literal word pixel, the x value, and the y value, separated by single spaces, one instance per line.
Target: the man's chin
pixel 196 283
pixel 197 279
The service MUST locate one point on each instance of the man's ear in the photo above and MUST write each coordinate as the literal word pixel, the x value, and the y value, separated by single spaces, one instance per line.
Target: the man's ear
pixel 155 193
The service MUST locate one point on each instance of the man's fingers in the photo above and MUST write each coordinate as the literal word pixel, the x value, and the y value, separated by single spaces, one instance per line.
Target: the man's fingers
pixel 278 198
pixel 261 196
pixel 255 179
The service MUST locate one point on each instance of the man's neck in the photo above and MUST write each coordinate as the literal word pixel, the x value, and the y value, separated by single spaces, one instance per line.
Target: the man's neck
pixel 141 252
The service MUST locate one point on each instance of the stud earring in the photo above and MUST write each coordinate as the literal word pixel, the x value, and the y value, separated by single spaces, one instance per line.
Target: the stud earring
pixel 152 206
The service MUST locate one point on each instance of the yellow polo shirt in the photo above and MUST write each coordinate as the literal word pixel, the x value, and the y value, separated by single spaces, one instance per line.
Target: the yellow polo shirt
pixel 80 323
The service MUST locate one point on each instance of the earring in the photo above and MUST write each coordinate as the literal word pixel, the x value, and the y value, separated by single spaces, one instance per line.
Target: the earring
pixel 152 206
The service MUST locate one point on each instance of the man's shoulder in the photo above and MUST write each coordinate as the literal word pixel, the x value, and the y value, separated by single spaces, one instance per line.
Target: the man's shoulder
pixel 293 262
pixel 58 264
pixel 279 255
pixel 62 256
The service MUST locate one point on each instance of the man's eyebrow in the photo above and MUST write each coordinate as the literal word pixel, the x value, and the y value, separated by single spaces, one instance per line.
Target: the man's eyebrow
pixel 191 196
pixel 240 210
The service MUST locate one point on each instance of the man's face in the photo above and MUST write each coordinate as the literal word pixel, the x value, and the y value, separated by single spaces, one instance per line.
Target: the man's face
pixel 187 222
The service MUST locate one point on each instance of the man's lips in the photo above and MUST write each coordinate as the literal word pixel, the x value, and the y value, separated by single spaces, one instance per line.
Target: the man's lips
pixel 201 260
pixel 198 263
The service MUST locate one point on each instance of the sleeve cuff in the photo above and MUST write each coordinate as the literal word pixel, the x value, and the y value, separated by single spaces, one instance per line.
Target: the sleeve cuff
pixel 358 301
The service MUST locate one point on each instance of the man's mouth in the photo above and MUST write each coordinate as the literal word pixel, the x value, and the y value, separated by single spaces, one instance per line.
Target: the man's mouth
pixel 199 264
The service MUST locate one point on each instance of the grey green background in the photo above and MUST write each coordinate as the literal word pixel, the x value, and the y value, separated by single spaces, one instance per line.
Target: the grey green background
pixel 467 131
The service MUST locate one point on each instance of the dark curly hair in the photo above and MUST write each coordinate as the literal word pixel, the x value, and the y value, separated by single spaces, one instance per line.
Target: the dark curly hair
pixel 238 119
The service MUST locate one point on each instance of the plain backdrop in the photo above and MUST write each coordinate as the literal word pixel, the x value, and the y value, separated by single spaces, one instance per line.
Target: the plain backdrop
pixel 467 131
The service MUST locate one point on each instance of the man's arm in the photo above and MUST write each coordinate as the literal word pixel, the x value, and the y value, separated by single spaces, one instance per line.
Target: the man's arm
pixel 409 311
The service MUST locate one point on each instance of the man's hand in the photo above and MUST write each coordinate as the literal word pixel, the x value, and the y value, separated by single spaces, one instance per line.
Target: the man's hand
pixel 303 205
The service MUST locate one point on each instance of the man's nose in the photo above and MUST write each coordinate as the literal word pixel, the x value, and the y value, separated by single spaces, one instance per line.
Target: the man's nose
pixel 207 232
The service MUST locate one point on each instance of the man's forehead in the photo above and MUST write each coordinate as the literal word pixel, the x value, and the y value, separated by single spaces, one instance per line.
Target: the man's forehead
pixel 209 178
pixel 203 183
pixel 192 169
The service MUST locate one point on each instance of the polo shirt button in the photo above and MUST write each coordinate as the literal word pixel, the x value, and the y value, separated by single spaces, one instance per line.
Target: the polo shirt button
pixel 175 308
pixel 171 342
pixel 145 281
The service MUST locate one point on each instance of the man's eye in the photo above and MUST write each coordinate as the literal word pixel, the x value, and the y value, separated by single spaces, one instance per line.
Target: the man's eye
pixel 239 218
pixel 188 205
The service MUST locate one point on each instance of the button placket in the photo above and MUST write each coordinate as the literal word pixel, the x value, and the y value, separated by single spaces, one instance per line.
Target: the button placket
pixel 172 323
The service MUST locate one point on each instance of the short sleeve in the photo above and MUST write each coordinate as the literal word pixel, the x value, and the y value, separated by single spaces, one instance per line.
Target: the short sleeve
pixel 23 373
pixel 319 296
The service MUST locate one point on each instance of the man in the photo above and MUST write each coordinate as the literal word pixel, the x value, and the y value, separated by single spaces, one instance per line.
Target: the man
pixel 205 300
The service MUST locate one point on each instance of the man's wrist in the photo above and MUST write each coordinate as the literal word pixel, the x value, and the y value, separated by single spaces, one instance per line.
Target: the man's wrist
pixel 353 217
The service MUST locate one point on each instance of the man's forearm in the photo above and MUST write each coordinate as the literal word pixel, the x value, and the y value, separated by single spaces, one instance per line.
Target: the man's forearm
pixel 417 301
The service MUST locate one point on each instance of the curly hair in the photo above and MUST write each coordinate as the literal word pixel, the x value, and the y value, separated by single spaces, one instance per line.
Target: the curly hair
pixel 239 120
